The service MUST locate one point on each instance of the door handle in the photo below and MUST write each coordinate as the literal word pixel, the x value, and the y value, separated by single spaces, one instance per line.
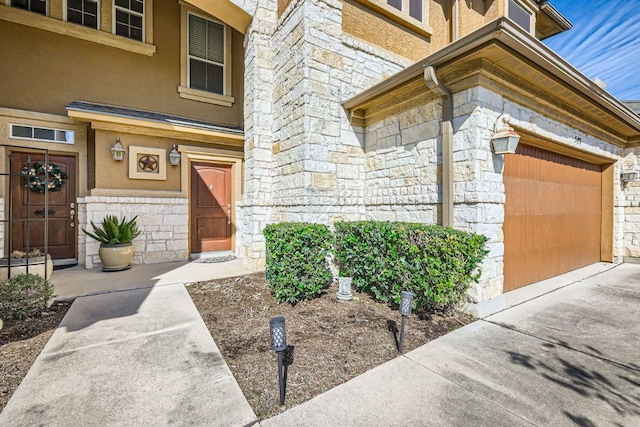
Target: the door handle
pixel 41 212
pixel 229 212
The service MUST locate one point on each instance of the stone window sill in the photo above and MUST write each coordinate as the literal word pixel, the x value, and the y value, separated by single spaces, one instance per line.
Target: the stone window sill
pixel 202 96
pixel 23 17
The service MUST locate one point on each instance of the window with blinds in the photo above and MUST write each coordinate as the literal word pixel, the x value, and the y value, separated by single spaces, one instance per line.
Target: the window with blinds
pixel 413 8
pixel 413 14
pixel 206 54
pixel 520 15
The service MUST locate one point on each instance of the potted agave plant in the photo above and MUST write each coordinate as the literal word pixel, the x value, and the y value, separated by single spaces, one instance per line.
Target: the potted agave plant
pixel 35 262
pixel 115 237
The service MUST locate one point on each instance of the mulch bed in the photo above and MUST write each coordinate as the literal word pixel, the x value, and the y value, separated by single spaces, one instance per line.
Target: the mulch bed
pixel 21 341
pixel 333 340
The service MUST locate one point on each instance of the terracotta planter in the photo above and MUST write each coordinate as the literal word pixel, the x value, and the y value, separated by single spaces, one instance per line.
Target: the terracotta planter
pixel 37 265
pixel 116 257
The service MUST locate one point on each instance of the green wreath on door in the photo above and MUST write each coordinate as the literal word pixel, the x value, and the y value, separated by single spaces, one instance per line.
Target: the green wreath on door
pixel 37 174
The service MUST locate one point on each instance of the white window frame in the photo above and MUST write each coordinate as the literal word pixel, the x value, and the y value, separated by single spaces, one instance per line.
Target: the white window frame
pixel 403 16
pixel 225 99
pixel 98 17
pixel 33 128
pixel 224 45
pixel 131 12
pixel 529 10
pixel 104 36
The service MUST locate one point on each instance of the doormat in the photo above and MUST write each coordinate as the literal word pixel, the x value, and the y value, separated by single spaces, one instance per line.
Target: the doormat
pixel 210 260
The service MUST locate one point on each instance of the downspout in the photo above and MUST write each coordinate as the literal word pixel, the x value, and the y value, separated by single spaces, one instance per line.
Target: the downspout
pixel 446 128
pixel 455 19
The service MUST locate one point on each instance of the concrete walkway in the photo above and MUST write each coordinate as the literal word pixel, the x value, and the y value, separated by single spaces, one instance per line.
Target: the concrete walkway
pixel 137 357
pixel 78 281
pixel 570 357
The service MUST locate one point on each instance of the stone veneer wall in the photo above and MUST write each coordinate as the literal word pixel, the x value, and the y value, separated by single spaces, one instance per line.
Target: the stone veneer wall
pixel 404 161
pixel 164 224
pixel 403 166
pixel 629 205
pixel 304 160
pixel 2 229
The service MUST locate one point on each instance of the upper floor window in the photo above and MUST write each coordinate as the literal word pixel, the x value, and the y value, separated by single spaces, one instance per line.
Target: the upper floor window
pixel 411 7
pixel 521 16
pixel 83 12
pixel 205 58
pixel 411 13
pixel 37 6
pixel 129 19
pixel 206 54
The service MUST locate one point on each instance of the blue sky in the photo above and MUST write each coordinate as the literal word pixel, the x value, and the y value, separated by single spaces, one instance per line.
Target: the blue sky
pixel 604 42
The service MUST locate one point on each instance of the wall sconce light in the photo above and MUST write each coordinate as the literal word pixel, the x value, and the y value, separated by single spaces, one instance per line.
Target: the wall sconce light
pixel 630 168
pixel 117 151
pixel 504 139
pixel 629 176
pixel 279 345
pixel 405 310
pixel 174 156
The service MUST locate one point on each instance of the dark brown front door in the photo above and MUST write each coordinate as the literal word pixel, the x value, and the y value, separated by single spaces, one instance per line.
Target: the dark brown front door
pixel 210 207
pixel 553 214
pixel 28 203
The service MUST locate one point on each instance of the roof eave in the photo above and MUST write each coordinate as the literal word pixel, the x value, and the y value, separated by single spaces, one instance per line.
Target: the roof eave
pixel 510 35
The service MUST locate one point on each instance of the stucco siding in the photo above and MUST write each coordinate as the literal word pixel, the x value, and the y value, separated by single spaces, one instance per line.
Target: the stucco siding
pixel 44 72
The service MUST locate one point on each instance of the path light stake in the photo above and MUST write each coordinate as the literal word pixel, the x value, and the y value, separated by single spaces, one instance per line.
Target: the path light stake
pixel 279 345
pixel 344 289
pixel 405 311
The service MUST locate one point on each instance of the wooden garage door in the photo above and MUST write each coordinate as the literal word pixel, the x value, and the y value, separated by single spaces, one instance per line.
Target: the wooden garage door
pixel 552 215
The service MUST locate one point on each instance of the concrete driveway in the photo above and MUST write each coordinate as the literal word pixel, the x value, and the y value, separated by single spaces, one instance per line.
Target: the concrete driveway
pixel 570 357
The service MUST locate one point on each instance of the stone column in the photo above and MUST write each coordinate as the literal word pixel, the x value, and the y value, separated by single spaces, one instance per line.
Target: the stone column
pixel 258 118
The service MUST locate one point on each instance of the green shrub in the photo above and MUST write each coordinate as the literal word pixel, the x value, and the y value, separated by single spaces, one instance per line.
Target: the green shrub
pixel 24 295
pixel 436 263
pixel 114 232
pixel 297 267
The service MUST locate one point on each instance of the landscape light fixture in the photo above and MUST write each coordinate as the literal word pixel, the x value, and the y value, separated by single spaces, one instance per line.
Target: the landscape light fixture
pixel 117 151
pixel 405 310
pixel 174 156
pixel 504 139
pixel 344 289
pixel 279 345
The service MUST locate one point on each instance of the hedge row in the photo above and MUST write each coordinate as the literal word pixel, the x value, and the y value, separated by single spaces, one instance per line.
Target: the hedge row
pixel 297 253
pixel 436 263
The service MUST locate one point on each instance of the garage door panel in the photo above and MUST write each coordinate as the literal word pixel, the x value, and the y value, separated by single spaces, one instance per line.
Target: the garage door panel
pixel 552 215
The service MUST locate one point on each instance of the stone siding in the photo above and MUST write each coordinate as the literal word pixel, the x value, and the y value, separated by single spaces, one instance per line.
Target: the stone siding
pixel 403 166
pixel 164 223
pixel 306 162
pixel 5 226
pixel 629 205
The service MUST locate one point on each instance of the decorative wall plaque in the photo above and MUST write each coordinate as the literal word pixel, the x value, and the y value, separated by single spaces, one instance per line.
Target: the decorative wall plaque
pixel 147 163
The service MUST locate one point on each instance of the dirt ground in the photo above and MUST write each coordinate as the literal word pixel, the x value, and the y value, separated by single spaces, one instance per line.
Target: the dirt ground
pixel 21 341
pixel 333 341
